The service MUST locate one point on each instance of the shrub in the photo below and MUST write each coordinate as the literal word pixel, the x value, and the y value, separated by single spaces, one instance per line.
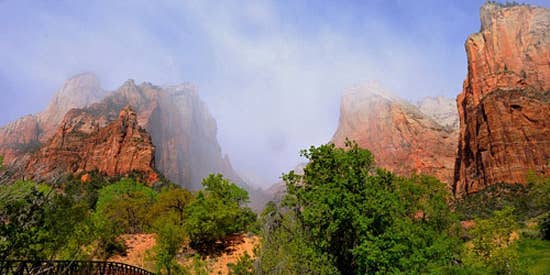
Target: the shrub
pixel 217 212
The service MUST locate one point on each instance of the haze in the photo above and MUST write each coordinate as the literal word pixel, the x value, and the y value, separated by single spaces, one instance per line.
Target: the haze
pixel 271 72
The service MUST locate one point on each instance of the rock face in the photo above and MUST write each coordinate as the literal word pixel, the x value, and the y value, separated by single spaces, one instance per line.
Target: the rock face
pixel 441 109
pixel 504 107
pixel 29 132
pixel 81 144
pixel 182 129
pixel 403 139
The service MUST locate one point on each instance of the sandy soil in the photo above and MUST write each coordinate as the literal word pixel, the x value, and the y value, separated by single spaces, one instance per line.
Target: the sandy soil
pixel 139 252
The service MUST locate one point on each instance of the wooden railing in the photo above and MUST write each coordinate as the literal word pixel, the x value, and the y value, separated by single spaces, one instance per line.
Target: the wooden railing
pixel 18 267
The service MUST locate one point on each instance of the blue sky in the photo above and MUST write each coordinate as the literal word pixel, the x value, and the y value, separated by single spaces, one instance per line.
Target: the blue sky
pixel 271 72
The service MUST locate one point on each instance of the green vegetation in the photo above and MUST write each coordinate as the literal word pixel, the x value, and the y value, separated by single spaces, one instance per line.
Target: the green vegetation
pixel 342 216
pixel 84 220
pixel 356 219
pixel 536 254
pixel 494 244
pixel 217 212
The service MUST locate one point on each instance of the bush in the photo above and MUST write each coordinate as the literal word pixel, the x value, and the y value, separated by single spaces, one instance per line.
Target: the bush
pixel 128 205
pixel 360 219
pixel 494 247
pixel 217 212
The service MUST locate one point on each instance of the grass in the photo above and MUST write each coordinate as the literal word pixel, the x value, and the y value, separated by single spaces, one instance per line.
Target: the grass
pixel 537 254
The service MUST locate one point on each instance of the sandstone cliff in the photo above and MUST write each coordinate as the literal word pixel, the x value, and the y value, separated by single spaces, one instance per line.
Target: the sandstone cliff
pixel 81 144
pixel 504 107
pixel 402 139
pixel 29 132
pixel 181 128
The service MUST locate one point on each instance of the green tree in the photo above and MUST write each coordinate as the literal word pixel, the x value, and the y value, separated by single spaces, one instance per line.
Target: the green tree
pixel 170 238
pixel 217 211
pixel 367 220
pixel 127 204
pixel 285 247
pixel 494 247
pixel 173 200
pixel 38 223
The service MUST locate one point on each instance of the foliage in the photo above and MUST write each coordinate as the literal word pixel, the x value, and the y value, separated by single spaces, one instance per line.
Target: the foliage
pixel 536 255
pixel 170 237
pixel 244 266
pixel 1 162
pixel 128 205
pixel 285 248
pixel 217 212
pixel 527 200
pixel 494 246
pixel 37 223
pixel 362 219
pixel 173 201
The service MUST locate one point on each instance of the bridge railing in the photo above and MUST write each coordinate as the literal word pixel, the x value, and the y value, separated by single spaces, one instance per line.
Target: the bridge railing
pixel 30 267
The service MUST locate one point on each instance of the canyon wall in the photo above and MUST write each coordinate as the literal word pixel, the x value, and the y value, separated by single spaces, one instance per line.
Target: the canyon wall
pixel 504 107
pixel 403 139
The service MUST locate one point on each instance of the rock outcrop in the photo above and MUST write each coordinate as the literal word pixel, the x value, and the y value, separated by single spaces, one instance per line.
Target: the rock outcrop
pixel 182 129
pixel 402 138
pixel 28 133
pixel 81 144
pixel 504 107
pixel 441 109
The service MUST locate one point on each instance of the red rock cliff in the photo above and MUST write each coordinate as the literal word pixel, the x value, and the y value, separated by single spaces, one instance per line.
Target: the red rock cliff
pixel 402 139
pixel 82 144
pixel 181 127
pixel 504 107
pixel 29 132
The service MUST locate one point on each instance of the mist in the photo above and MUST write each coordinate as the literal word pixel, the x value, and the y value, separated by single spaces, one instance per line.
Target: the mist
pixel 271 72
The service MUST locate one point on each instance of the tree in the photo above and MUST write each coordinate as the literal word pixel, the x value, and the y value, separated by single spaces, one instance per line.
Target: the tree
pixel 37 223
pixel 367 220
pixel 217 211
pixel 170 237
pixel 170 209
pixel 127 204
pixel 494 244
pixel 285 247
pixel 173 200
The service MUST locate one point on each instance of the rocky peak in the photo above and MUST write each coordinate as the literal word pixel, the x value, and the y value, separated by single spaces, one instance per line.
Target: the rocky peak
pixel 401 137
pixel 81 144
pixel 504 106
pixel 77 92
pixel 441 109
pixel 28 133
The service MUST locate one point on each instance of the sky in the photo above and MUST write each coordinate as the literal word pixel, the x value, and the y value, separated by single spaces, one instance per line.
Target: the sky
pixel 271 72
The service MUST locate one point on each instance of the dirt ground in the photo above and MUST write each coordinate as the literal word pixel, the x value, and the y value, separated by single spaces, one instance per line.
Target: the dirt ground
pixel 139 253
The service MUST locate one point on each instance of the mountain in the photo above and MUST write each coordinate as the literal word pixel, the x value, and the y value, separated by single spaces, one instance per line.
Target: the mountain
pixel 29 132
pixel 403 139
pixel 504 106
pixel 441 109
pixel 81 144
pixel 182 130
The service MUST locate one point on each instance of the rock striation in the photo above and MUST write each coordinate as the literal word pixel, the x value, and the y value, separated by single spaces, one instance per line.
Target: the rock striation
pixel 81 144
pixel 402 138
pixel 505 103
